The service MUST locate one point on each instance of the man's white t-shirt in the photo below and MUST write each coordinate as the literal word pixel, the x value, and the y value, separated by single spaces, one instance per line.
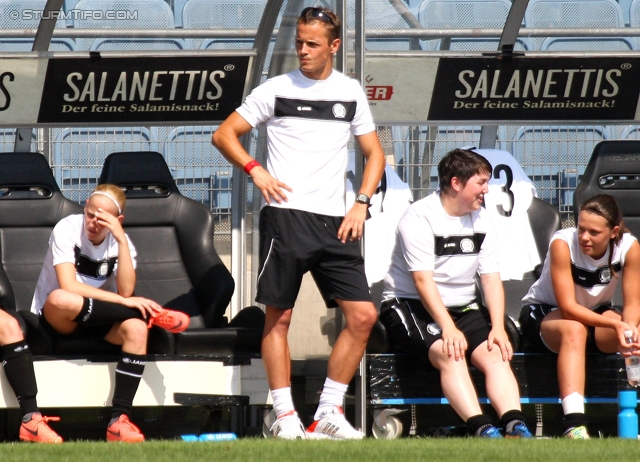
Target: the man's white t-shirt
pixel 309 123
pixel 592 279
pixel 96 265
pixel 456 249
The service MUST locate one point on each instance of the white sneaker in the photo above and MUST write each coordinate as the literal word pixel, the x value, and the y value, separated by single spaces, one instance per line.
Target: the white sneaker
pixel 333 425
pixel 287 426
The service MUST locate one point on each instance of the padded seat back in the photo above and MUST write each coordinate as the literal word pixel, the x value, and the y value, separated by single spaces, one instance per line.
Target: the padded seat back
pixel 30 206
pixel 177 264
pixel 545 220
pixel 614 169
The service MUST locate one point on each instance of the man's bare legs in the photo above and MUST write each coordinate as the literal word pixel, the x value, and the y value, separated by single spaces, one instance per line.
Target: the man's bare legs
pixel 343 362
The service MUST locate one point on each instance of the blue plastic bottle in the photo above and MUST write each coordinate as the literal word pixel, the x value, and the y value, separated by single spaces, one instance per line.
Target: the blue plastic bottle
pixel 218 437
pixel 627 417
pixel 209 437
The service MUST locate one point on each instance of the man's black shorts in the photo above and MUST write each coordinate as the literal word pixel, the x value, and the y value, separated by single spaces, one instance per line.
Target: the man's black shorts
pixel 412 330
pixel 293 242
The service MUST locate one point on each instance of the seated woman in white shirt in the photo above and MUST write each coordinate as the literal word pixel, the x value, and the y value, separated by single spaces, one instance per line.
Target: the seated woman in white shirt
pixel 568 310
pixel 86 288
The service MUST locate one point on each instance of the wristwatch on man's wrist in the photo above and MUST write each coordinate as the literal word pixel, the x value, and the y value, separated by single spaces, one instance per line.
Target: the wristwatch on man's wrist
pixel 363 199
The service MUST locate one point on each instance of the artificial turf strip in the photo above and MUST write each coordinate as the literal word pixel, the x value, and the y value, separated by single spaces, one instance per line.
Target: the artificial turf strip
pixel 260 450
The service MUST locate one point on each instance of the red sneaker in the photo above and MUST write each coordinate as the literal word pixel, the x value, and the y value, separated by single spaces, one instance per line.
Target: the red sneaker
pixel 37 430
pixel 171 320
pixel 124 430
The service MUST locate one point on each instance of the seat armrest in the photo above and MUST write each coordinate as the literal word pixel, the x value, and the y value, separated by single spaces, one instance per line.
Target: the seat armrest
pixel 160 342
pixel 378 341
pixel 250 317
pixel 38 336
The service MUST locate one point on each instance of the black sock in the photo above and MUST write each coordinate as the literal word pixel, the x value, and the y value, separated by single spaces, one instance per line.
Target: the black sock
pixel 97 313
pixel 18 367
pixel 128 374
pixel 511 418
pixel 575 419
pixel 477 423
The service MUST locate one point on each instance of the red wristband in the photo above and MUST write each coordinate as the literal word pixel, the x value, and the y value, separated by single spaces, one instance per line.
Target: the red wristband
pixel 250 165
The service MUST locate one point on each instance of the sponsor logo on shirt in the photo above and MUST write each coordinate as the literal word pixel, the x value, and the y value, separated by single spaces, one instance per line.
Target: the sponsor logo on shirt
pixel 605 275
pixel 466 245
pixel 339 111
pixel 103 269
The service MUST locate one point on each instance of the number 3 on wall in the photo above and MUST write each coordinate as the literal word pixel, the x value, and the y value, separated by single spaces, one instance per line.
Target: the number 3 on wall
pixel 506 188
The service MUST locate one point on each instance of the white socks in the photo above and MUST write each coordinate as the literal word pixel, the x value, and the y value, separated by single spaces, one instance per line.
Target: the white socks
pixel 332 395
pixel 282 401
pixel 573 403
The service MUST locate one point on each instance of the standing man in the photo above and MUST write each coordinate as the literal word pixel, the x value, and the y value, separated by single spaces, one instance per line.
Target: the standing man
pixel 310 114
pixel 431 308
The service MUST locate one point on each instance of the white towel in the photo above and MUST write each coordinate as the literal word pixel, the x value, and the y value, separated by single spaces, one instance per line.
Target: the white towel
pixel 518 251
pixel 387 207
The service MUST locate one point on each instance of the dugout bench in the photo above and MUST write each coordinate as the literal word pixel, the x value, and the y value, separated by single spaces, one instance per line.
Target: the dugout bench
pixel 213 365
pixel 396 380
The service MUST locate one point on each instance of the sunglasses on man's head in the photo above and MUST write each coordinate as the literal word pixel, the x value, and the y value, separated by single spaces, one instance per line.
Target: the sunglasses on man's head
pixel 317 13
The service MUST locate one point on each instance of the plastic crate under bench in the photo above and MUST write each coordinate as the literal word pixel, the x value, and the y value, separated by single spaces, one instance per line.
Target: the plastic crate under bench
pixel 396 379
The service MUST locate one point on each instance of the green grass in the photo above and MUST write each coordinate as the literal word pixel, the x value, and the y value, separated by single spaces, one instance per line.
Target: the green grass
pixel 259 450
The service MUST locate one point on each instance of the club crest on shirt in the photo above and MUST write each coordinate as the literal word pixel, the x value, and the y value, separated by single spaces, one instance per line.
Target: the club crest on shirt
pixel 466 245
pixel 103 269
pixel 605 275
pixel 339 111
pixel 434 329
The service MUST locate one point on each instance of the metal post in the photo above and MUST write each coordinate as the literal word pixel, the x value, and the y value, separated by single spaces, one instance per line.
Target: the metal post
pixel 239 185
pixel 341 56
pixel 40 43
pixel 488 133
pixel 513 23
pixel 361 376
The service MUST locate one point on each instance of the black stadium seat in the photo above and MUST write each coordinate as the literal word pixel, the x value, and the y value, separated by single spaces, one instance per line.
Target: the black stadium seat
pixel 30 205
pixel 545 221
pixel 177 263
pixel 614 169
